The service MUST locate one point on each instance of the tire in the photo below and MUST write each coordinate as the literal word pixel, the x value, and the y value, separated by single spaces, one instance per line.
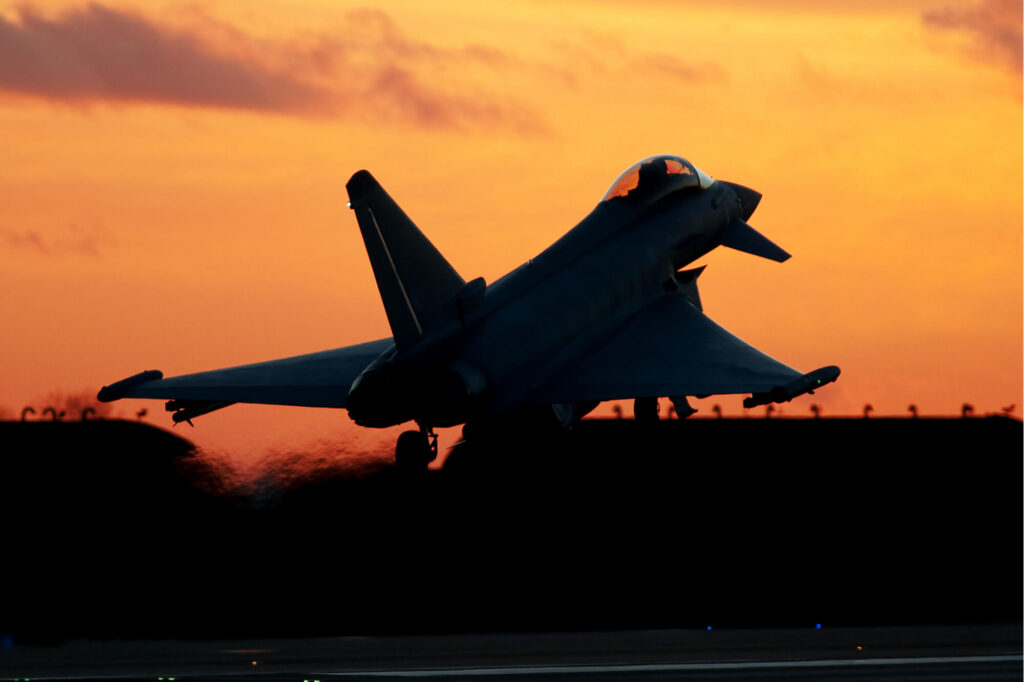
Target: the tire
pixel 412 453
pixel 645 410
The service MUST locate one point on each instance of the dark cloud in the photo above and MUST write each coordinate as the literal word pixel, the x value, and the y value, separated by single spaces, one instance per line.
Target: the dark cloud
pixel 368 70
pixel 80 240
pixel 995 26
pixel 97 53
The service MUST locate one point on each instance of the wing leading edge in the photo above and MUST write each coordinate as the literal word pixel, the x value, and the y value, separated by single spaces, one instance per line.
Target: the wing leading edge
pixel 669 348
pixel 312 380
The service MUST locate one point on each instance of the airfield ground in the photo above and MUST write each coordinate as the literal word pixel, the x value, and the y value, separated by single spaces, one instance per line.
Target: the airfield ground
pixel 118 529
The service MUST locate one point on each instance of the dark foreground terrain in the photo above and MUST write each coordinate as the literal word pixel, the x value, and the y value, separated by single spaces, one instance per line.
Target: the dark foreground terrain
pixel 116 529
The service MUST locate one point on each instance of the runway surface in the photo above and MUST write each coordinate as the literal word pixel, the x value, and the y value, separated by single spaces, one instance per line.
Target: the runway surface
pixel 987 652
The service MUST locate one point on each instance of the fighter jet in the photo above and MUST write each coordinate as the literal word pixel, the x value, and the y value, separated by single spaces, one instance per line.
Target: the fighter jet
pixel 607 312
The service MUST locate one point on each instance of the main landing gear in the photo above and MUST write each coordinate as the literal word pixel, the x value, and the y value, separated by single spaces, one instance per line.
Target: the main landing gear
pixel 646 409
pixel 416 449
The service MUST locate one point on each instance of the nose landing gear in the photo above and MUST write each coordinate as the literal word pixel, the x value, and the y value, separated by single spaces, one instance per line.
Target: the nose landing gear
pixel 416 449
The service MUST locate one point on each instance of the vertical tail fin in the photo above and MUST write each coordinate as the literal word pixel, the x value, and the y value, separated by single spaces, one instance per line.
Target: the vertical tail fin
pixel 416 283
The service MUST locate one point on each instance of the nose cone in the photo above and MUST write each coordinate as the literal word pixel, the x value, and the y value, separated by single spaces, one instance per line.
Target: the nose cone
pixel 749 198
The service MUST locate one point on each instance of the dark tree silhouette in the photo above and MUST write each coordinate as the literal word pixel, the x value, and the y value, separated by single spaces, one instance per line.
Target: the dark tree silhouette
pixel 75 402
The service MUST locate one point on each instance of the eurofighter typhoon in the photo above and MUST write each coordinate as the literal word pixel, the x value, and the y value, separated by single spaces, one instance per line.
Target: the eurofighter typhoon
pixel 607 312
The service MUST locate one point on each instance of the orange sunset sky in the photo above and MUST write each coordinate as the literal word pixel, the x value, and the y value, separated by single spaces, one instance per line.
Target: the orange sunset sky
pixel 172 180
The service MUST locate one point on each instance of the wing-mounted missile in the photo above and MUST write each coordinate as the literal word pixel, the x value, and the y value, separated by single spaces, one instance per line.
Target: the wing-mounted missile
pixel 742 237
pixel 808 383
pixel 116 390
pixel 187 410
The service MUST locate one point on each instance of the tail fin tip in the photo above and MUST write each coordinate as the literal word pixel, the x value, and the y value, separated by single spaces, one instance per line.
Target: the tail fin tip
pixel 359 185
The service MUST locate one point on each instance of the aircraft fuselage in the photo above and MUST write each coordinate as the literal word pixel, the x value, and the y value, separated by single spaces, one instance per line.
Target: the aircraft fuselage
pixel 533 322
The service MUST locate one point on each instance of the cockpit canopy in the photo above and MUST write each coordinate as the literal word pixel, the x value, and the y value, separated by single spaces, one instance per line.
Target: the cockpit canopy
pixel 649 180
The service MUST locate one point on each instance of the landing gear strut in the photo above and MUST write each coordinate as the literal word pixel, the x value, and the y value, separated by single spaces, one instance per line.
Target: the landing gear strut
pixel 416 449
pixel 682 405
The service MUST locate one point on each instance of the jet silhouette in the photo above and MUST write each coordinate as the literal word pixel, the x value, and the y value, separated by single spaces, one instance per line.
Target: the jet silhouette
pixel 607 312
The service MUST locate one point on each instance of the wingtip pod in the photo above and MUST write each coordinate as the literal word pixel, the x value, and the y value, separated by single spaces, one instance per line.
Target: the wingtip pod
pixel 808 383
pixel 118 389
pixel 742 237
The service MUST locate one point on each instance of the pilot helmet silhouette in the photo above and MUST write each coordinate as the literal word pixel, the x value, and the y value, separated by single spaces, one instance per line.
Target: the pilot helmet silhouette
pixel 650 175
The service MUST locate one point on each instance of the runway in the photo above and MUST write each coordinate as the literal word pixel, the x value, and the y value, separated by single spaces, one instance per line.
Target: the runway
pixel 989 652
pixel 923 669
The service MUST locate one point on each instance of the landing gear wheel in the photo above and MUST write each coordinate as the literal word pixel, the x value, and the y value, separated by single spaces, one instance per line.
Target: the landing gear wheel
pixel 645 410
pixel 415 450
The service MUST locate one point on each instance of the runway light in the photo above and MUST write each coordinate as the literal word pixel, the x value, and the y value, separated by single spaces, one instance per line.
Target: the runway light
pixel 255 663
pixel 859 647
pixel 709 627
pixel 817 626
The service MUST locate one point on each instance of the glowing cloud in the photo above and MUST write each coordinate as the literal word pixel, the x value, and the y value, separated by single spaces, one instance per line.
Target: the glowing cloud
pixel 97 53
pixel 995 26
pixel 101 54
